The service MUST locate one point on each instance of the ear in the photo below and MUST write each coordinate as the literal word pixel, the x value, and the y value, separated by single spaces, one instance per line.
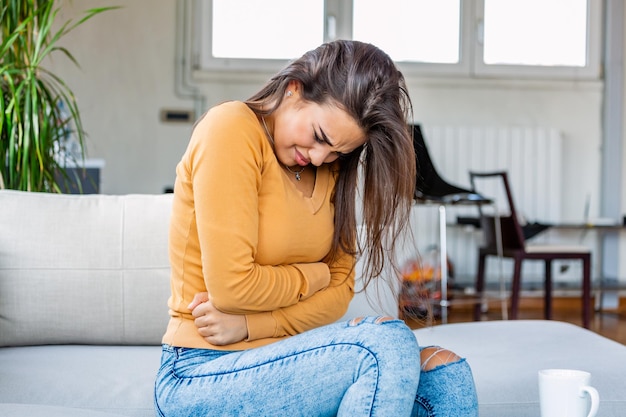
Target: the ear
pixel 295 87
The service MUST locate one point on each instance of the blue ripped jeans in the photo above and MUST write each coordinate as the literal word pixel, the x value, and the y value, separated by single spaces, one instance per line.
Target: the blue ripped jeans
pixel 365 367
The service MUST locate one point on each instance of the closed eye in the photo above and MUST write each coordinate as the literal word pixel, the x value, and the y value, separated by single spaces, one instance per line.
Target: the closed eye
pixel 323 139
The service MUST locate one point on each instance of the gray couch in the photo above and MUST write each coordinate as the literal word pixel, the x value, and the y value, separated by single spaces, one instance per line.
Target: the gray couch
pixel 83 291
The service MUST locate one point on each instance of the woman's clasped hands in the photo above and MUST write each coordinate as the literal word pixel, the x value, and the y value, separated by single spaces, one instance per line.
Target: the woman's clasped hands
pixel 214 326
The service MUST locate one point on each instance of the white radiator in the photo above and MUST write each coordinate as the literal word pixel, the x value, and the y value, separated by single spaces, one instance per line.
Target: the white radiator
pixel 532 158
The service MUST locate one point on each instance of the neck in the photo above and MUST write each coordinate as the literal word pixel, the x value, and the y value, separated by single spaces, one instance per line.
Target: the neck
pixel 267 131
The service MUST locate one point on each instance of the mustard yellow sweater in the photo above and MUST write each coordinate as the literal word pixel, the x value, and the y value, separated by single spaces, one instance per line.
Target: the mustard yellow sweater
pixel 242 231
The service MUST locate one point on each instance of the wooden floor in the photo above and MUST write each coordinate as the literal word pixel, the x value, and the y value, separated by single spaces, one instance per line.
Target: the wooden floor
pixel 609 323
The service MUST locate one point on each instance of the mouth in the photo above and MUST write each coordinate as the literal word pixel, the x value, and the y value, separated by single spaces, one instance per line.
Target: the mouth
pixel 301 160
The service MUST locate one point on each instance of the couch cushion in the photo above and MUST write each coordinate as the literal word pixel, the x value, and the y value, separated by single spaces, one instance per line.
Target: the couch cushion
pixel 505 357
pixel 83 268
pixel 29 410
pixel 111 379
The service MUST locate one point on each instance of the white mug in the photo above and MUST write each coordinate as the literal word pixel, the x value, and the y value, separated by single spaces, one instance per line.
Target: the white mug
pixel 567 393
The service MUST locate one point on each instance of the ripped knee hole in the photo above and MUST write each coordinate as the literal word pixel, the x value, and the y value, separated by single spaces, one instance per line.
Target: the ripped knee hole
pixel 380 319
pixel 432 357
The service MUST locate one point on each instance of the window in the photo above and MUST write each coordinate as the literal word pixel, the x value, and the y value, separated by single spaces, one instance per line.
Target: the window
pixel 479 38
pixel 547 37
pixel 253 29
pixel 524 33
pixel 407 36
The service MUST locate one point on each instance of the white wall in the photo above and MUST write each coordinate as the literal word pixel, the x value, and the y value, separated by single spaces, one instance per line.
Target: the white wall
pixel 127 76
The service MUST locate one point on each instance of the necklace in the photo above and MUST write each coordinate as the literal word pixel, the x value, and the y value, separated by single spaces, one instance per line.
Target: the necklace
pixel 296 173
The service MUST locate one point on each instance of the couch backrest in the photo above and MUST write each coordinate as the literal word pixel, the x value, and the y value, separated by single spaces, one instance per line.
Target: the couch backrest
pixel 94 269
pixel 84 269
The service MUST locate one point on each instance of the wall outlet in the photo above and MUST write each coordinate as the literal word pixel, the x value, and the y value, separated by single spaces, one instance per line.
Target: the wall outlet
pixel 177 116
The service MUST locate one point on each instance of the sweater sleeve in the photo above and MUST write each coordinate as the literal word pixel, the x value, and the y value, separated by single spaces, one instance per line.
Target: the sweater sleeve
pixel 226 159
pixel 324 307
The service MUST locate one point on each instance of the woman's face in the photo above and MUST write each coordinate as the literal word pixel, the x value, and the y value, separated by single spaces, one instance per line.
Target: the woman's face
pixel 308 133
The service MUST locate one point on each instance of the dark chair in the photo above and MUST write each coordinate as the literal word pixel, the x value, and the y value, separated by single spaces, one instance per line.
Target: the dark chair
pixel 430 186
pixel 506 239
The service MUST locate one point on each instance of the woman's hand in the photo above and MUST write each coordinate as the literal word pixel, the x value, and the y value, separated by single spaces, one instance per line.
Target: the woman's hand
pixel 214 326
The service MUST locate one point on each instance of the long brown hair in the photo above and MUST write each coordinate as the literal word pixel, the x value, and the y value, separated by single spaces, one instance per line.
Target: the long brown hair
pixel 364 82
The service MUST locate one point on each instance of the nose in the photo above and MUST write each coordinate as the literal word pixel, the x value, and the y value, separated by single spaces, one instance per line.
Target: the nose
pixel 320 154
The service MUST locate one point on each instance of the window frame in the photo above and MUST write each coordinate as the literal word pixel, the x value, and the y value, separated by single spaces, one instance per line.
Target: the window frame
pixel 591 71
pixel 202 39
pixel 338 19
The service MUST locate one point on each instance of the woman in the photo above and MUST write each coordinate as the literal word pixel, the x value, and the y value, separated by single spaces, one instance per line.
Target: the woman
pixel 263 247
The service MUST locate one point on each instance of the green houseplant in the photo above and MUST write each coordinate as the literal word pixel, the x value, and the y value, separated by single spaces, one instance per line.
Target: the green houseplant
pixel 38 110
